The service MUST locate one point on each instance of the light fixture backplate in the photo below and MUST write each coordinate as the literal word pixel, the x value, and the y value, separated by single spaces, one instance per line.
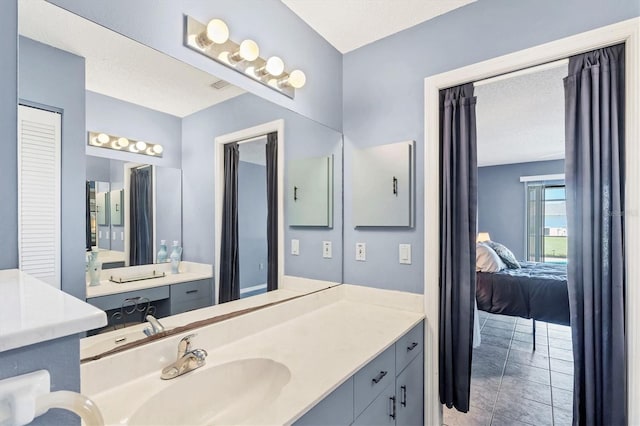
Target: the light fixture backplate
pixel 218 52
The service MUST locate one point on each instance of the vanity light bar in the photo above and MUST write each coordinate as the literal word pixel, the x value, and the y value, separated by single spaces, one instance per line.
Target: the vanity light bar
pixel 212 40
pixel 119 143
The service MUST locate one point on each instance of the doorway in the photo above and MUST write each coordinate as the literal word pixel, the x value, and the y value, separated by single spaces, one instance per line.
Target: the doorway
pixel 626 32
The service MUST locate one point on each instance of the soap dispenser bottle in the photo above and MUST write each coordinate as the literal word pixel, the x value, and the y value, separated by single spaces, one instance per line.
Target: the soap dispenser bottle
pixel 176 254
pixel 162 253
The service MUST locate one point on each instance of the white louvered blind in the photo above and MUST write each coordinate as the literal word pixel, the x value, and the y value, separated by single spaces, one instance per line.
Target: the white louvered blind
pixel 39 193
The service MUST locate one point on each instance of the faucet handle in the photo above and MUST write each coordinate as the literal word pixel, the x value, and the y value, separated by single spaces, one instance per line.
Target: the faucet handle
pixel 185 344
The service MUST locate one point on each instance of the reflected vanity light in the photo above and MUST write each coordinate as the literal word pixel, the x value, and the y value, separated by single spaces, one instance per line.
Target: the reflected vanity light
pixel 212 40
pixel 119 143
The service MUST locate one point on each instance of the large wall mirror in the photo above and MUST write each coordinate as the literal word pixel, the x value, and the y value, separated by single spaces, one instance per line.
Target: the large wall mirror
pixel 105 82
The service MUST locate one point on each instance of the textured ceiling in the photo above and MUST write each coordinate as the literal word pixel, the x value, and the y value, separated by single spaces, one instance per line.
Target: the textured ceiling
pixel 521 119
pixel 119 67
pixel 349 24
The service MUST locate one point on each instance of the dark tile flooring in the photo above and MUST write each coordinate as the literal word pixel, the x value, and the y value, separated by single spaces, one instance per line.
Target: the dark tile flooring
pixel 513 385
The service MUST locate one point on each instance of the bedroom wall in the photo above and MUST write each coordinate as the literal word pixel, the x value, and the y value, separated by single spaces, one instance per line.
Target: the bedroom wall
pixel 501 200
pixel 384 100
pixel 252 217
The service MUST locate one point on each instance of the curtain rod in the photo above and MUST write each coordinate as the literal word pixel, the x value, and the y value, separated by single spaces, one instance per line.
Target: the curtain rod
pixel 524 71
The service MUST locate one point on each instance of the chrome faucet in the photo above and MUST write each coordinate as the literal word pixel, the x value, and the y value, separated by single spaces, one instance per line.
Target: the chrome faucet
pixel 155 328
pixel 188 359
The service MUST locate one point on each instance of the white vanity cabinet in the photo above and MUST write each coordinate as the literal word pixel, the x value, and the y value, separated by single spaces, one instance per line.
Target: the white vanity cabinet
pixel 389 390
pixel 383 185
pixel 310 193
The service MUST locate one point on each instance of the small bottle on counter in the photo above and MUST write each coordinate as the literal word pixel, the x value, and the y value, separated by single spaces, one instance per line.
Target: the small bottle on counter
pixel 162 253
pixel 94 267
pixel 176 255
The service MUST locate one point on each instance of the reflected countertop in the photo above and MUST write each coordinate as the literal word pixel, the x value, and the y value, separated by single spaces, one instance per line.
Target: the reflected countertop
pixel 189 271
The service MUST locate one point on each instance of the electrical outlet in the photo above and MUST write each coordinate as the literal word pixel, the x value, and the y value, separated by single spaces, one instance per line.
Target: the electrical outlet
pixel 361 252
pixel 122 236
pixel 100 234
pixel 295 247
pixel 404 254
pixel 326 249
pixel 260 266
pixel 113 237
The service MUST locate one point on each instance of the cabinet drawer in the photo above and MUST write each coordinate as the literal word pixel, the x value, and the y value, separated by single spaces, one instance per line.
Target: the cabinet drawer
pixel 114 301
pixel 189 305
pixel 194 290
pixel 408 346
pixel 381 410
pixel 373 378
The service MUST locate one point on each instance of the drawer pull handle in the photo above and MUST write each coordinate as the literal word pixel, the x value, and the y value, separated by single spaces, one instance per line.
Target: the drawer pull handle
pixel 412 346
pixel 191 291
pixel 379 377
pixel 403 395
pixel 392 400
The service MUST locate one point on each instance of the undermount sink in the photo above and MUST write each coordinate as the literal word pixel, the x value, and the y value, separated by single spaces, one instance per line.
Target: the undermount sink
pixel 222 394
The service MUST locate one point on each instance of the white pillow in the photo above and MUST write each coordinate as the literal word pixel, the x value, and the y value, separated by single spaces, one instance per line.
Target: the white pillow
pixel 487 260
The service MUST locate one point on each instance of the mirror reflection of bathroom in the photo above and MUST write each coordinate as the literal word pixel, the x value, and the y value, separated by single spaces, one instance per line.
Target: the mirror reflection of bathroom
pixel 252 217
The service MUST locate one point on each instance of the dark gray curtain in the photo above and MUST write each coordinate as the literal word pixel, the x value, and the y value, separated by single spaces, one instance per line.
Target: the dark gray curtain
pixel 594 98
pixel 87 217
pixel 458 202
pixel 141 216
pixel 272 211
pixel 229 249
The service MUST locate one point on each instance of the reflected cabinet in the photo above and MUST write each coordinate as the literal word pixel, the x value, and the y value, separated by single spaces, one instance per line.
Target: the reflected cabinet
pixel 310 193
pixel 383 185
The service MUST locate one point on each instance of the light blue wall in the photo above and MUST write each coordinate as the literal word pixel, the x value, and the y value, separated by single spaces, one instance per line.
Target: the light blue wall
pixel 55 78
pixel 501 200
pixel 270 23
pixel 117 117
pixel 252 223
pixel 8 130
pixel 303 138
pixel 384 99
pixel 61 357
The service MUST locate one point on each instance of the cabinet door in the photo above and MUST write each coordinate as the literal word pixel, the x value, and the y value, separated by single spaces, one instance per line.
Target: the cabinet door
pixel 336 409
pixel 381 411
pixel 410 394
pixel 101 208
pixel 383 185
pixel 116 207
pixel 310 195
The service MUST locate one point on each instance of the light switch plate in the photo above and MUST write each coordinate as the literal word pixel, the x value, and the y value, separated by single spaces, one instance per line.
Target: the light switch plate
pixel 100 234
pixel 326 249
pixel 121 236
pixel 295 247
pixel 361 252
pixel 404 252
pixel 114 236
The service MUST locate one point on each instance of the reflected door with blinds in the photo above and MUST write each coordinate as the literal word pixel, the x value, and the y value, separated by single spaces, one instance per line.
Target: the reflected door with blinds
pixel 39 140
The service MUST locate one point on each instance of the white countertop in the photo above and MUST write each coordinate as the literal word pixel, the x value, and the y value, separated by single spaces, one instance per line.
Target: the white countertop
pixel 323 339
pixel 34 311
pixel 189 271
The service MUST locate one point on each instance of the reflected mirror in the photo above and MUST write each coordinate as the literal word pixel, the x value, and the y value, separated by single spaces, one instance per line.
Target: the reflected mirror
pixel 104 82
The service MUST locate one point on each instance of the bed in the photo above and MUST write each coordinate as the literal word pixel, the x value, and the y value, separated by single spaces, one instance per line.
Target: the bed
pixel 536 290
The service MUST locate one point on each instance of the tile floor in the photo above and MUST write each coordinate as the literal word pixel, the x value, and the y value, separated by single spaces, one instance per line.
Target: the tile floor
pixel 513 385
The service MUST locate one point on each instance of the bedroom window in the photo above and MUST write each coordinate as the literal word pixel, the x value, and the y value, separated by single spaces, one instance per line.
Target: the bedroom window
pixel 546 222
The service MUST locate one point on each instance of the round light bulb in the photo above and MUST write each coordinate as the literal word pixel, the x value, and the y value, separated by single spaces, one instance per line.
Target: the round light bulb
pixel 95 141
pixel 275 66
pixel 149 151
pixel 249 50
pixel 217 31
pixel 133 148
pixel 115 145
pixel 103 138
pixel 123 142
pixel 297 79
pixel 158 149
pixel 141 146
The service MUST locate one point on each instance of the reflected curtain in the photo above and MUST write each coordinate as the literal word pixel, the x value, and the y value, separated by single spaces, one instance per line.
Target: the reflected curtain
pixel 141 217
pixel 272 210
pixel 458 210
pixel 229 250
pixel 87 217
pixel 594 114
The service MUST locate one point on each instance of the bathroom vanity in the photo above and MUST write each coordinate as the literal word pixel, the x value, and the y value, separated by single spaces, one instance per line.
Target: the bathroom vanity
pixel 345 355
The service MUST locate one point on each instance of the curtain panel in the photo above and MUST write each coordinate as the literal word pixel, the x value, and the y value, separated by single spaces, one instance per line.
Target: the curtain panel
pixel 458 211
pixel 594 114
pixel 229 249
